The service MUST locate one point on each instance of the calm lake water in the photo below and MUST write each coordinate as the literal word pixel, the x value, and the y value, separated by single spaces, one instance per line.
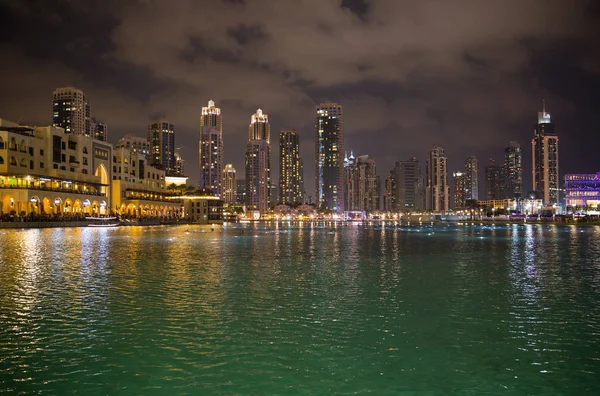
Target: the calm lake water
pixel 292 309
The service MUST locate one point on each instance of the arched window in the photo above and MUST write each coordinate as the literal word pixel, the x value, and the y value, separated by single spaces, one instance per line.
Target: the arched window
pixel 13 161
pixel 23 146
pixel 1 143
pixel 23 163
pixel 85 151
pixel 84 171
pixel 13 144
pixel 1 160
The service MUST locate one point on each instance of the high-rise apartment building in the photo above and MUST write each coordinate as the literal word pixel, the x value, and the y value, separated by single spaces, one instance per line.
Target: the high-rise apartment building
pixel 329 163
pixel 98 129
pixel 389 195
pixel 362 184
pixel 179 167
pixel 471 179
pixel 258 163
pixel 229 185
pixel 460 190
pixel 494 182
pixel 71 111
pixel 291 185
pixel 513 171
pixel 135 144
pixel 409 192
pixel 544 153
pixel 211 148
pixel 161 137
pixel 437 192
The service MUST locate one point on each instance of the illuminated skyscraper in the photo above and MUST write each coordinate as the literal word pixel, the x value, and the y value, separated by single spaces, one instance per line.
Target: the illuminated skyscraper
pixel 389 197
pixel 513 171
pixel 460 190
pixel 258 163
pixel 211 148
pixel 71 111
pixel 471 179
pixel 229 185
pixel 98 130
pixel 161 137
pixel 179 167
pixel 494 181
pixel 136 144
pixel 544 152
pixel 329 164
pixel 437 192
pixel 362 184
pixel 291 185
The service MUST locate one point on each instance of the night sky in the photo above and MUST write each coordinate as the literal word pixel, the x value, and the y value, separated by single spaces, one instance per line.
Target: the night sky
pixel 469 75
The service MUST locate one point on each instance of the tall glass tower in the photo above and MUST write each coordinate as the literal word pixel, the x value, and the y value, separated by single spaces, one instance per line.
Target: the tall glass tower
pixel 329 161
pixel 291 186
pixel 161 136
pixel 211 149
pixel 258 163
pixel 544 155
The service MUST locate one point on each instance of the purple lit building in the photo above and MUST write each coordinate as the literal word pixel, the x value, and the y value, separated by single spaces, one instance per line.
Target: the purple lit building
pixel 583 190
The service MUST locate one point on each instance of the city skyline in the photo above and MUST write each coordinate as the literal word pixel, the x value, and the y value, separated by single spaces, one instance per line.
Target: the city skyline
pixel 471 97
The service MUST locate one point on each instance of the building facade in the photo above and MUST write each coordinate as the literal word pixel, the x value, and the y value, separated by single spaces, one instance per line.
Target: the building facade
pixel 291 184
pixel 211 149
pixel 258 163
pixel 544 152
pixel 229 185
pixel 329 163
pixel 136 144
pixel 437 192
pixel 582 191
pixel 471 179
pixel 513 171
pixel 161 138
pixel 46 172
pixel 409 191
pixel 98 130
pixel 461 191
pixel 362 185
pixel 494 182
pixel 71 111
pixel 389 194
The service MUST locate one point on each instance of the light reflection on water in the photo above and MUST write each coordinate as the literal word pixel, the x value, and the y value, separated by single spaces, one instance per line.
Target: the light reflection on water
pixel 308 308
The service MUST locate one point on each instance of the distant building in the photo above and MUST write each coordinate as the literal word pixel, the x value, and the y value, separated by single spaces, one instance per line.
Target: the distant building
pixel 329 164
pixel 494 182
pixel 241 192
pixel 136 144
pixel 362 185
pixel 229 185
pixel 99 130
pixel 211 148
pixel 461 191
pixel 291 178
pixel 258 163
pixel 179 166
pixel 389 195
pixel 582 190
pixel 161 137
pixel 71 111
pixel 202 209
pixel 409 193
pixel 471 179
pixel 513 170
pixel 544 147
pixel 438 191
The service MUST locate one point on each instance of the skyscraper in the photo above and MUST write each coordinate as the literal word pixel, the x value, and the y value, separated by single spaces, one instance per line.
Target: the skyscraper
pixel 409 193
pixel 291 186
pixel 161 137
pixel 329 164
pixel 98 129
pixel 471 179
pixel 258 163
pixel 513 170
pixel 389 195
pixel 460 190
pixel 437 191
pixel 229 185
pixel 363 184
pixel 71 111
pixel 544 155
pixel 136 144
pixel 494 181
pixel 179 167
pixel 211 148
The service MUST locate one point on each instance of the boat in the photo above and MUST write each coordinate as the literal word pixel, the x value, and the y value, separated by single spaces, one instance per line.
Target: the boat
pixel 102 221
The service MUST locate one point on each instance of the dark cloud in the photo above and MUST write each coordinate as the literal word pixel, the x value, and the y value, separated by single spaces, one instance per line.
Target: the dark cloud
pixel 467 74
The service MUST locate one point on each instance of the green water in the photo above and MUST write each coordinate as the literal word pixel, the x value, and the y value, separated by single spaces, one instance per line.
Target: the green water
pixel 289 309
